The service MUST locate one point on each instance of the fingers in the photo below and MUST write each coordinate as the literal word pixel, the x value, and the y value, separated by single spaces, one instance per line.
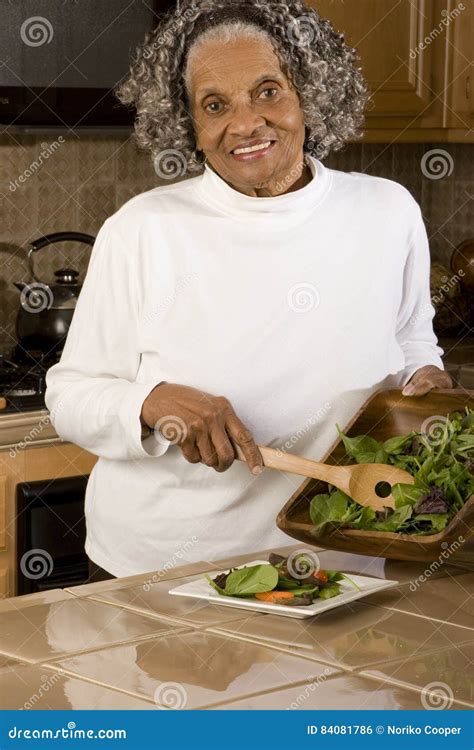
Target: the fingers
pixel 425 379
pixel 223 448
pixel 190 451
pixel 211 426
pixel 243 438
pixel 418 389
pixel 213 448
pixel 206 449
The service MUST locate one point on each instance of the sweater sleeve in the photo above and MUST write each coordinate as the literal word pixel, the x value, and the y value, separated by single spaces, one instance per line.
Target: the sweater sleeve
pixel 415 333
pixel 92 393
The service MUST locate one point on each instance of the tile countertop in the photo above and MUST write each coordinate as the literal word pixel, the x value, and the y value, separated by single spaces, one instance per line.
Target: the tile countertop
pixel 127 644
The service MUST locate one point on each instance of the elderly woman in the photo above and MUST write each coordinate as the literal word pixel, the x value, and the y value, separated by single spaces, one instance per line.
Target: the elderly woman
pixel 259 302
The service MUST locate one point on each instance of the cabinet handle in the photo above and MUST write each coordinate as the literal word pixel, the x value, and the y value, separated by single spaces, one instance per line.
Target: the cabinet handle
pixel 468 87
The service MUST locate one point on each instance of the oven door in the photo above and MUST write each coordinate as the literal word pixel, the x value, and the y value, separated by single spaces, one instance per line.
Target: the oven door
pixel 51 533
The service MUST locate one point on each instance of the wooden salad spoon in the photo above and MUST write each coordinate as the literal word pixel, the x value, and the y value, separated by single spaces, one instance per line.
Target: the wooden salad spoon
pixel 357 480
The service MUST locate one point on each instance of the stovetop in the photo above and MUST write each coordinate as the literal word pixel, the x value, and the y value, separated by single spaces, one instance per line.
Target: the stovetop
pixel 23 379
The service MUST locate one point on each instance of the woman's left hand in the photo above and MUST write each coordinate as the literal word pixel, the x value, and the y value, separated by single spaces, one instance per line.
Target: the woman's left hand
pixel 425 379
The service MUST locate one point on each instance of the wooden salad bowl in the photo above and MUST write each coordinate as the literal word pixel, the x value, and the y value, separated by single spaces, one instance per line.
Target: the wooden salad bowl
pixel 387 414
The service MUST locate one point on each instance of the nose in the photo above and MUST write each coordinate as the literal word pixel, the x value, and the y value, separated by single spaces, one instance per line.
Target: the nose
pixel 244 119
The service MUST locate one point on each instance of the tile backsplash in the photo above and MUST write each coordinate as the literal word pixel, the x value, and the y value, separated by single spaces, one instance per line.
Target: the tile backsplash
pixel 52 183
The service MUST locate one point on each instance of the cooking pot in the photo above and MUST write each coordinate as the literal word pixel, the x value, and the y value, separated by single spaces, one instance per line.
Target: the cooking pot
pixel 46 310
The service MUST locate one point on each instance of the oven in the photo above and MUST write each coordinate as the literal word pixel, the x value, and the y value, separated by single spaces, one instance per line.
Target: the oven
pixel 51 534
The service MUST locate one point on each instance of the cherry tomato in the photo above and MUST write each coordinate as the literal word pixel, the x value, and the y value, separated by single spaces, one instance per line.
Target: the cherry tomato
pixel 320 576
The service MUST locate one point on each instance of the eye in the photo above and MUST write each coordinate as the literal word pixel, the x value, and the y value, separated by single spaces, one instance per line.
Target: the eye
pixel 268 93
pixel 213 107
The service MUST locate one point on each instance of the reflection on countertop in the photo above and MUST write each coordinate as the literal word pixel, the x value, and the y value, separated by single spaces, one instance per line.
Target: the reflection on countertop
pixel 127 644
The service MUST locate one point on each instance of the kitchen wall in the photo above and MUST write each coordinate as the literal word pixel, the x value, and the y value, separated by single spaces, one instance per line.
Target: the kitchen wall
pixel 52 183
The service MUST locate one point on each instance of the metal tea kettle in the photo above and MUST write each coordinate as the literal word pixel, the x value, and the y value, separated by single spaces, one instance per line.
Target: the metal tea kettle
pixel 46 310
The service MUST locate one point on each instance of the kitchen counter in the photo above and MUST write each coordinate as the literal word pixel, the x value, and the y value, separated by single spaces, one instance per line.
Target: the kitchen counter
pixel 128 644
pixel 21 429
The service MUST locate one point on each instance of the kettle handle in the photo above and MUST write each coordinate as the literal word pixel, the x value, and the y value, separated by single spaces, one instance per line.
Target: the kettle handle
pixel 50 239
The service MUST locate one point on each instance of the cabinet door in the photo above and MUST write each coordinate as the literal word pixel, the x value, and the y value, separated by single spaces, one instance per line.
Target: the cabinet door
pixel 4 582
pixel 460 66
pixel 401 55
pixel 3 512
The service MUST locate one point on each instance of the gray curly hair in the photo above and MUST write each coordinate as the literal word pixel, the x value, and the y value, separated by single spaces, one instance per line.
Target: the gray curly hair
pixel 313 56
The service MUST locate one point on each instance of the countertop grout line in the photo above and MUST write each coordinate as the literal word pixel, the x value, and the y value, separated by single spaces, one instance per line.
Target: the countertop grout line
pixel 54 666
pixel 24 662
pixel 297 683
pixel 407 686
pixel 282 649
pixel 420 616
pixel 103 647
pixel 83 678
pixel 167 618
pixel 332 678
pixel 344 667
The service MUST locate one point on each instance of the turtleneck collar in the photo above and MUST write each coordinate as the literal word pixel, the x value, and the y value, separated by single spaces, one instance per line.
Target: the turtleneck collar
pixel 214 190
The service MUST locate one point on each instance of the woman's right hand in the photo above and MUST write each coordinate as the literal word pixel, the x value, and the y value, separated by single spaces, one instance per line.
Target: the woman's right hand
pixel 201 424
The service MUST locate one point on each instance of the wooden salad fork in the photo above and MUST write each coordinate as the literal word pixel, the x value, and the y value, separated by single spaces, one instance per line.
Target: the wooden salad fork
pixel 357 480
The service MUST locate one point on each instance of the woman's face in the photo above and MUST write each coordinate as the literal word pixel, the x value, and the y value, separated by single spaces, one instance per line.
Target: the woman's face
pixel 240 98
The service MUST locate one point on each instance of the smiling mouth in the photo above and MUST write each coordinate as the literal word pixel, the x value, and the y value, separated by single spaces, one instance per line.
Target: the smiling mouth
pixel 252 149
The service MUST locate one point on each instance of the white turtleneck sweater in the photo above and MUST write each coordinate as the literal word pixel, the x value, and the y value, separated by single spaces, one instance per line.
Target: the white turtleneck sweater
pixel 296 308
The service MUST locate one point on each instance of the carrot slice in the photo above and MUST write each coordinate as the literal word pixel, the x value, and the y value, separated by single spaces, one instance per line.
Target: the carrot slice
pixel 320 576
pixel 274 596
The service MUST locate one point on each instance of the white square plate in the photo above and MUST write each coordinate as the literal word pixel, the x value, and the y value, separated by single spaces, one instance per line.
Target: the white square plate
pixel 202 589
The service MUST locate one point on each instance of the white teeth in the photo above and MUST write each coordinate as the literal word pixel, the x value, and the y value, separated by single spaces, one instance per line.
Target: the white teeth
pixel 250 149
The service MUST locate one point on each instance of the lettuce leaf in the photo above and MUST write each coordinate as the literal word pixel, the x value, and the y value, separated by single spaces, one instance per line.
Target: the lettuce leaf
pixel 395 521
pixel 331 511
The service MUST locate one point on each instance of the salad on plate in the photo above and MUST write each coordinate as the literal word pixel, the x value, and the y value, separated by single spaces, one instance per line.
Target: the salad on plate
pixel 295 580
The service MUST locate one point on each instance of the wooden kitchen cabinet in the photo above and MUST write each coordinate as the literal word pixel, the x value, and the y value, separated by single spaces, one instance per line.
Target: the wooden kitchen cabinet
pixel 416 56
pixel 459 103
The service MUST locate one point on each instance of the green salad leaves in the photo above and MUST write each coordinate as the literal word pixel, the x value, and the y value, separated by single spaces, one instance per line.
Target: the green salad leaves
pixel 441 460
pixel 292 581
